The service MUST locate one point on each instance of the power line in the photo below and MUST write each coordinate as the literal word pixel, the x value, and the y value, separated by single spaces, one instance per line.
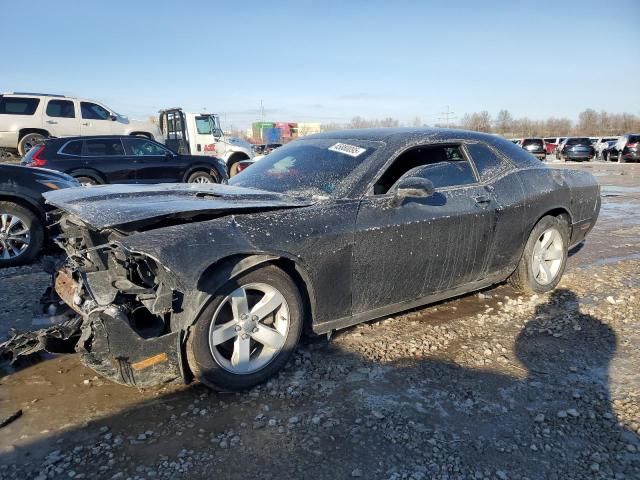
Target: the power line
pixel 447 116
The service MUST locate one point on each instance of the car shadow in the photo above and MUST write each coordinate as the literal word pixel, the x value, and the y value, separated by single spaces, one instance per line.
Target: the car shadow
pixel 337 412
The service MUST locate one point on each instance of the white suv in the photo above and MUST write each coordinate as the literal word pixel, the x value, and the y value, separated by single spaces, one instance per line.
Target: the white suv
pixel 27 118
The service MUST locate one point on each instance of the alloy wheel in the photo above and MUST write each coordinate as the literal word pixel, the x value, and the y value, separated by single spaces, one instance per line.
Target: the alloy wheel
pixel 548 255
pixel 249 328
pixel 14 236
pixel 201 179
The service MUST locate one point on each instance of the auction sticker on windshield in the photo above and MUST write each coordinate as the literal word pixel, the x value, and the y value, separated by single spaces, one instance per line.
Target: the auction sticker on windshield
pixel 347 149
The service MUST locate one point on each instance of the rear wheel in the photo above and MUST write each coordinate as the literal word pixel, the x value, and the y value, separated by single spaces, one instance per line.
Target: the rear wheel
pixel 21 234
pixel 85 181
pixel 544 257
pixel 200 177
pixel 247 331
pixel 29 141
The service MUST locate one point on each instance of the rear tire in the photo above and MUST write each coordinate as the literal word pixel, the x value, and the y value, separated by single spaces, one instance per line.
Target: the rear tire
pixel 86 181
pixel 27 142
pixel 544 257
pixel 201 177
pixel 216 358
pixel 21 235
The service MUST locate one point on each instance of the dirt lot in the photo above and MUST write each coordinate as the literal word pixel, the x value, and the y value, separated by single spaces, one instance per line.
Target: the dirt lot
pixel 492 385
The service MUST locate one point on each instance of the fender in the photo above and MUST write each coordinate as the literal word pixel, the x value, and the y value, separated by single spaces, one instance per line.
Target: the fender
pixel 19 198
pixel 226 269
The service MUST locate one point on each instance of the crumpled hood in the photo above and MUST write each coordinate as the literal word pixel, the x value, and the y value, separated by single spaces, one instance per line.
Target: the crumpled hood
pixel 119 205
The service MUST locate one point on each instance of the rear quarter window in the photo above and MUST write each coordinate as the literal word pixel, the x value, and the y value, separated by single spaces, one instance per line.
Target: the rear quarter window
pixel 18 105
pixel 520 157
pixel 488 163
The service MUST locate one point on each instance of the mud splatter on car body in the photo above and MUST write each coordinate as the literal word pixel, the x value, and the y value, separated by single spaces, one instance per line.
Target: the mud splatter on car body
pixel 143 261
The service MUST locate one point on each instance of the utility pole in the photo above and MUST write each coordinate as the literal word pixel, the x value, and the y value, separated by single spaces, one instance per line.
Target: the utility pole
pixel 261 110
pixel 447 116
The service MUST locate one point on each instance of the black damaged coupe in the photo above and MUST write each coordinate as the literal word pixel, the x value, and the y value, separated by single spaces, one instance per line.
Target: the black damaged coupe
pixel 218 282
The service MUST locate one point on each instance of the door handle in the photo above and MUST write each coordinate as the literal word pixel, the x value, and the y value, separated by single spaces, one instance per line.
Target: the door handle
pixel 52 122
pixel 86 124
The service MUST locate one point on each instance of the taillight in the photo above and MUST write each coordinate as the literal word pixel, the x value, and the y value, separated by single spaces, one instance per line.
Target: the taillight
pixel 632 145
pixel 36 159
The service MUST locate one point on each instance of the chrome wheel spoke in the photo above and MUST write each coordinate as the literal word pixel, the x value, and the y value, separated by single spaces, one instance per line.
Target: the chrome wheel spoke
pixel 239 304
pixel 224 333
pixel 268 336
pixel 268 304
pixel 241 357
pixel 552 255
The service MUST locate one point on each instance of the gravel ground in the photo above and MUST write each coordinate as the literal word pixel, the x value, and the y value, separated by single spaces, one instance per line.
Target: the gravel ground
pixel 492 385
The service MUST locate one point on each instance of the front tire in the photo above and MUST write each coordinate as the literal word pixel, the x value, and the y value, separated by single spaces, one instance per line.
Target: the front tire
pixel 544 258
pixel 29 141
pixel 247 331
pixel 21 235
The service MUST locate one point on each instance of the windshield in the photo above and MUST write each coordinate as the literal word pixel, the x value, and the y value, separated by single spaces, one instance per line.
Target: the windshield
pixel 306 167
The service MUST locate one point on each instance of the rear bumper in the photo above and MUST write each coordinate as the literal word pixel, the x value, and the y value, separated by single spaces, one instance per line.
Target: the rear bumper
pixel 634 156
pixel 578 156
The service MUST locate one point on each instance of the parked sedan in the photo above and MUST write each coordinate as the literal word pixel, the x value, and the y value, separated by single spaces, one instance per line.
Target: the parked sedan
pixel 123 159
pixel 323 233
pixel 535 146
pixel 576 148
pixel 22 210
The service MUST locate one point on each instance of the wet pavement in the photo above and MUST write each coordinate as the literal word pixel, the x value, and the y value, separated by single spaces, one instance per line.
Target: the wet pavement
pixel 491 385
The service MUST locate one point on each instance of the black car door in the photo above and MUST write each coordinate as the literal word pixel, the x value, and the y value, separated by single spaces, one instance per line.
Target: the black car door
pixel 107 156
pixel 153 162
pixel 415 247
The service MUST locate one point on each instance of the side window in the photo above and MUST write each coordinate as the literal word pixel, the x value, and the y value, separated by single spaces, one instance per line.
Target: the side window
pixel 18 106
pixel 142 147
pixel 445 166
pixel 488 164
pixel 92 111
pixel 61 109
pixel 103 147
pixel 72 148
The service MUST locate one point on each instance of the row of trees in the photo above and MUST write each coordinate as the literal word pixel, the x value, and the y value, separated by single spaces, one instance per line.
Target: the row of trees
pixel 590 123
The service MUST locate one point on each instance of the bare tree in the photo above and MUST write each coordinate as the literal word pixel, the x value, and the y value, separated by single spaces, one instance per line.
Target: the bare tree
pixel 504 122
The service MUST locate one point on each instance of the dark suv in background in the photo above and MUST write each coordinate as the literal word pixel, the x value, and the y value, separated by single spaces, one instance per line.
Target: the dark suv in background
pixel 576 148
pixel 627 148
pixel 535 146
pixel 123 159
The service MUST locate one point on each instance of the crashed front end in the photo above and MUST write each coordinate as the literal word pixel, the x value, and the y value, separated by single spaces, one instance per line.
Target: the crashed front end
pixel 125 300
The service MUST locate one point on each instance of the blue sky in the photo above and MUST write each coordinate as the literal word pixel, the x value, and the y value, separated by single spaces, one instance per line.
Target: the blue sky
pixel 311 60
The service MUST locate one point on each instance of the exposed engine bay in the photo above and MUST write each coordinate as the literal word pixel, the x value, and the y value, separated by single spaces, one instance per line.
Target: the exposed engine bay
pixel 116 305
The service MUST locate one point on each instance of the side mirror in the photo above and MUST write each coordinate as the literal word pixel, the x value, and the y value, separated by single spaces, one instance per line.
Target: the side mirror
pixel 414 187
pixel 113 117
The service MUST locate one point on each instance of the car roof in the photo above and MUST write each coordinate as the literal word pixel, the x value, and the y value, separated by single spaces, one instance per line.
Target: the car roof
pixel 95 137
pixel 400 134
